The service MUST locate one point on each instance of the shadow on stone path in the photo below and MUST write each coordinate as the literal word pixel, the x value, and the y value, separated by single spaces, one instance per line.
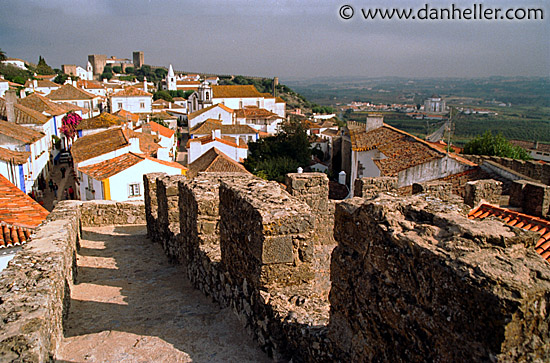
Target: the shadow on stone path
pixel 130 304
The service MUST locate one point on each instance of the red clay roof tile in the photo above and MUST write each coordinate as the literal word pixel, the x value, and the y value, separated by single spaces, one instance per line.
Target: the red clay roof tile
pixel 519 220
pixel 17 208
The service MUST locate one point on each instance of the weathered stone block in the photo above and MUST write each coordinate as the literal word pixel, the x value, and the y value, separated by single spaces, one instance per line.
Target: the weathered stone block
pixel 437 189
pixel 536 199
pixel 487 190
pixel 412 281
pixel 370 187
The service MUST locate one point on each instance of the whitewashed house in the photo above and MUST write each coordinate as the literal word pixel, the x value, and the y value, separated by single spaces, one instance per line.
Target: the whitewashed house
pixel 78 97
pixel 166 136
pixel 44 86
pixel 236 149
pixel 131 99
pixel 121 178
pixel 215 112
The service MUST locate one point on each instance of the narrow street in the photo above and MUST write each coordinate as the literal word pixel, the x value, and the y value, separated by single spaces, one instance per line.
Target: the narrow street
pixel 130 304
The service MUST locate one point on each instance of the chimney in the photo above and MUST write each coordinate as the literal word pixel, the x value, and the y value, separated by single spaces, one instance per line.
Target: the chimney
pixel 134 145
pixel 216 134
pixel 275 84
pixel 34 84
pixel 145 84
pixel 11 100
pixel 374 121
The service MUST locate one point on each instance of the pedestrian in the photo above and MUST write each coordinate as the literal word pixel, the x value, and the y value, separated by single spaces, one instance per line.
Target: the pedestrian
pixel 63 172
pixel 50 185
pixel 65 194
pixel 71 192
pixel 55 188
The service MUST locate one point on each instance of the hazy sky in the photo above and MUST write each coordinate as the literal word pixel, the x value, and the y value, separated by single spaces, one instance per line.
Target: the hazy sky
pixel 277 38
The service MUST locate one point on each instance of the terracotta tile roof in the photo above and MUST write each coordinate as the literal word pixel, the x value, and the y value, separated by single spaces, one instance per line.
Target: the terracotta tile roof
pixel 330 132
pixel 23 115
pixel 235 91
pixel 89 84
pixel 127 115
pixel 161 102
pixel 17 208
pixel 131 92
pixel 185 83
pixel 164 115
pixel 201 111
pixel 41 83
pixel 19 157
pixel 215 161
pixel 520 220
pixel 279 100
pixel 402 150
pixel 227 140
pixel 11 236
pixel 97 144
pixel 147 143
pixel 108 168
pixel 209 125
pixel 40 103
pixel 20 133
pixel 104 120
pixel 162 130
pixel 255 112
pixel 70 107
pixel 70 92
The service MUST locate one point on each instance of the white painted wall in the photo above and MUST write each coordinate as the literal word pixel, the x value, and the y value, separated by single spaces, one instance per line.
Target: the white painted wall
pixel 435 169
pixel 132 104
pixel 216 113
pixel 196 149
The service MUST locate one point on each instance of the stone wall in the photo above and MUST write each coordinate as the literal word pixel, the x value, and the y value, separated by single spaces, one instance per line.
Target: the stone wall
pixel 530 169
pixel 110 213
pixel 488 191
pixel 370 187
pixel 437 189
pixel 168 220
pixel 35 288
pixel 151 204
pixel 413 281
pixel 313 189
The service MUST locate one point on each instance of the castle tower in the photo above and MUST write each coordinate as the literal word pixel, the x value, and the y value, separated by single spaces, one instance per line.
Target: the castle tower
pixel 138 59
pixel 275 84
pixel 98 62
pixel 171 80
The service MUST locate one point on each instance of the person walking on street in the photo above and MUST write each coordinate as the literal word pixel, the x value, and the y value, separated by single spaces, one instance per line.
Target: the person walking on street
pixel 55 188
pixel 50 185
pixel 71 192
pixel 63 172
pixel 65 194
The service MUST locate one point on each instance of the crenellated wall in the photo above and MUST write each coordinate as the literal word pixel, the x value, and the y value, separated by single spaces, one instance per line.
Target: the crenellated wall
pixel 411 279
pixel 35 286
pixel 530 169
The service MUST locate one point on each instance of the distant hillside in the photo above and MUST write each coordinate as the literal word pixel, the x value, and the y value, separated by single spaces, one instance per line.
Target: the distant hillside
pixel 293 99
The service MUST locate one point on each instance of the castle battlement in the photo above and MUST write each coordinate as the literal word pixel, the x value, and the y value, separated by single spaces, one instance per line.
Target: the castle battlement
pixel 366 279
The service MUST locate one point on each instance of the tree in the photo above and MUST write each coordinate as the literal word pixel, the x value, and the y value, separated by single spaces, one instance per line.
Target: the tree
pixel 69 123
pixel 496 145
pixel 61 78
pixel 160 121
pixel 273 157
pixel 117 69
pixel 43 68
pixel 165 95
pixel 3 56
pixel 130 70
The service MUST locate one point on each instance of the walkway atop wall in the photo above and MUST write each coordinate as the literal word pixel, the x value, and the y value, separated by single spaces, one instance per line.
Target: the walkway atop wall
pixel 130 304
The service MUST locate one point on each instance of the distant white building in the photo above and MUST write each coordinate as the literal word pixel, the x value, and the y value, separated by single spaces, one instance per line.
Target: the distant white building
pixel 236 149
pixel 133 100
pixel 435 104
pixel 19 63
pixel 216 112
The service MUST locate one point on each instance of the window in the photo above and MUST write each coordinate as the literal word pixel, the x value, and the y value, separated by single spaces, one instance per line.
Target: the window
pixel 207 95
pixel 133 190
pixel 119 105
pixel 90 184
pixel 142 105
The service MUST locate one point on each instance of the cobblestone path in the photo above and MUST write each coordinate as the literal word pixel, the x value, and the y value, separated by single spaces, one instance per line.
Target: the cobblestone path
pixel 129 304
